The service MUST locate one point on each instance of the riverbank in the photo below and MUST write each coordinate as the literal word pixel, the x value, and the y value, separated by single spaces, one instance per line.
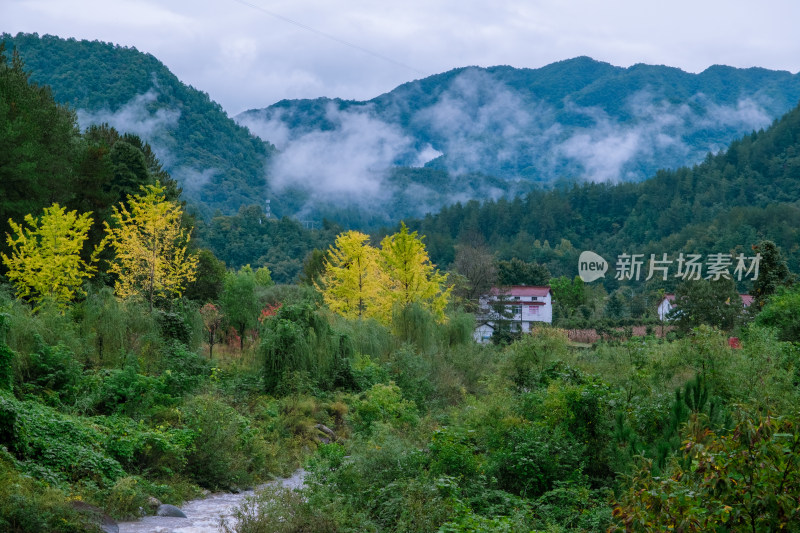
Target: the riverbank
pixel 203 515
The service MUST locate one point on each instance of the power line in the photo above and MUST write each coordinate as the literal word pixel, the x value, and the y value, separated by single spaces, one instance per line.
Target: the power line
pixel 331 37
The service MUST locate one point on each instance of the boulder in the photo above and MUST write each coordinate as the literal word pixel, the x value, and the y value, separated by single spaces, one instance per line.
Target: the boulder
pixel 153 502
pixel 331 436
pixel 169 510
pixel 109 526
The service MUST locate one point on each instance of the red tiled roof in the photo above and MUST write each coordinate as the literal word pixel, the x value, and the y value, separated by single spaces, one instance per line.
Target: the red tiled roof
pixel 521 290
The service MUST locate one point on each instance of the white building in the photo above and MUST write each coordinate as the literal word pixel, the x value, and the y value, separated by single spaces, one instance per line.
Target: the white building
pixel 666 305
pixel 518 305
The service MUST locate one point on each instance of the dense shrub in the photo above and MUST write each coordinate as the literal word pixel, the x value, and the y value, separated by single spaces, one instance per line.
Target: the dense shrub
pixel 226 451
pixel 300 338
pixel 533 458
pixel 50 372
pixel 55 447
pixel 7 356
pixel 384 404
pixel 28 505
pixel 279 510
pixel 123 391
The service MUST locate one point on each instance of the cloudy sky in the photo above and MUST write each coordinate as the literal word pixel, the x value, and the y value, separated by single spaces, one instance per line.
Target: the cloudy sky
pixel 252 53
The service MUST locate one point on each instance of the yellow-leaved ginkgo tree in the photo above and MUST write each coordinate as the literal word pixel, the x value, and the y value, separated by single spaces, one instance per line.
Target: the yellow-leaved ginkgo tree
pixel 45 264
pixel 351 282
pixel 363 282
pixel 150 245
pixel 410 276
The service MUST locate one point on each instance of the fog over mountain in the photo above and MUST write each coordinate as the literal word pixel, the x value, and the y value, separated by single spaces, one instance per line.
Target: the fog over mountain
pixel 470 133
pixel 579 120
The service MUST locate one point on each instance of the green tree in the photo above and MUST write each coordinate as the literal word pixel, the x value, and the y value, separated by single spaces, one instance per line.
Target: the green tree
pixel 37 145
pixel 712 302
pixel 110 167
pixel 299 339
pixel 615 306
pixel 410 277
pixel 477 267
pixel 772 274
pixel 150 245
pixel 782 312
pixel 239 301
pixel 518 272
pixel 263 277
pixel 45 262
pixel 568 294
pixel 313 267
pixel 210 275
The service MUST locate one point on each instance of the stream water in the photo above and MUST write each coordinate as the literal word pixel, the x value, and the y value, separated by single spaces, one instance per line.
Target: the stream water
pixel 202 516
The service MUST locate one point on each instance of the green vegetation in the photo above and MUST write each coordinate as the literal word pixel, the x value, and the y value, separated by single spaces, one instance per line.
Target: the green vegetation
pixel 403 423
pixel 540 436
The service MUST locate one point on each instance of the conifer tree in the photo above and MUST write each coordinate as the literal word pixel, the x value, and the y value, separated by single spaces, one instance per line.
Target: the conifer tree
pixel 773 274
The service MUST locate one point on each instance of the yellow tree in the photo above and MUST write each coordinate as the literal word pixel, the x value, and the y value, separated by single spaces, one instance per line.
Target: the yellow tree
pixel 409 276
pixel 351 281
pixel 150 247
pixel 45 262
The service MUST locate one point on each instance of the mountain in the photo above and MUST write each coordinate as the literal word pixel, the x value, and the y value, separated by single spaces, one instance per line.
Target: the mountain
pixel 470 133
pixel 725 204
pixel 575 120
pixel 219 164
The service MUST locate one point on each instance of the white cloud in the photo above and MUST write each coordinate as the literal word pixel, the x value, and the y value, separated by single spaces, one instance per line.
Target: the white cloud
pixel 136 116
pixel 482 125
pixel 153 124
pixel 269 125
pixel 350 160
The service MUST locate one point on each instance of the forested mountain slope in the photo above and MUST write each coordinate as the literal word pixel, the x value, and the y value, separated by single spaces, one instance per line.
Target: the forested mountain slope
pixel 578 119
pixel 725 204
pixel 218 164
pixel 464 134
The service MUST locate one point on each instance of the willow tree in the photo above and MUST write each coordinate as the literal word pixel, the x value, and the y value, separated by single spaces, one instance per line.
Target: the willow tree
pixel 351 283
pixel 45 262
pixel 150 246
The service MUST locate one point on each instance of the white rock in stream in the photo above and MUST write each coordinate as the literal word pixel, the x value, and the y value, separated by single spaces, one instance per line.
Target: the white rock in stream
pixel 203 516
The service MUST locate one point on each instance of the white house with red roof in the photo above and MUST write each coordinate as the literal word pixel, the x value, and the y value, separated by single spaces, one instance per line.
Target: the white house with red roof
pixel 520 305
pixel 667 304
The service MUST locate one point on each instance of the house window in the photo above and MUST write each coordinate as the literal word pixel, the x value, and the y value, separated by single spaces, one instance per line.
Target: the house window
pixel 516 310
